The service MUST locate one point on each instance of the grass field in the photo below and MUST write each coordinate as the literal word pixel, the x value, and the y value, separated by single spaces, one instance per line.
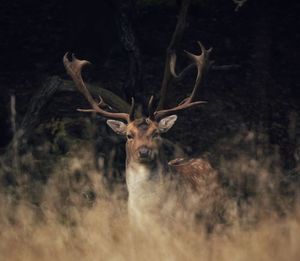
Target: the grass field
pixel 77 215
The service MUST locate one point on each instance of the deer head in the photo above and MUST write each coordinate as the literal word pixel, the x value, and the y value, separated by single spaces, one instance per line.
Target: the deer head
pixel 142 133
pixel 143 137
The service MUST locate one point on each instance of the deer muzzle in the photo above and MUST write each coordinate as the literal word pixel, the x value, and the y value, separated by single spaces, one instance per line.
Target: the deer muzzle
pixel 145 153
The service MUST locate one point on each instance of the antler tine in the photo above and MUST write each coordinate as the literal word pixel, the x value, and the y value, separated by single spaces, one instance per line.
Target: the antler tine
pixel 202 63
pixel 74 68
pixel 179 76
pixel 131 111
pixel 150 108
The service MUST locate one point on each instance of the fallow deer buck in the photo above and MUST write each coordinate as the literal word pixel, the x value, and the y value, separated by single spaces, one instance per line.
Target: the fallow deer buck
pixel 146 165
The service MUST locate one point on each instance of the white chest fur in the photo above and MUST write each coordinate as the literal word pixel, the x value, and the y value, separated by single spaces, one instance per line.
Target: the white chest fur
pixel 145 188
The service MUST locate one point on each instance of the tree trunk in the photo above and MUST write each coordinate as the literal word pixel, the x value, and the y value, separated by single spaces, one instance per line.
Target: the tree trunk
pixel 123 10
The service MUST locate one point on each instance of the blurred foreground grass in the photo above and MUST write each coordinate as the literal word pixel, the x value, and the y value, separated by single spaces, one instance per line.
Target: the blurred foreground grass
pixel 76 214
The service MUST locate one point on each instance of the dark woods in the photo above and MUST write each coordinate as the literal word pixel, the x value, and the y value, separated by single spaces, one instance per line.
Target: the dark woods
pixel 253 83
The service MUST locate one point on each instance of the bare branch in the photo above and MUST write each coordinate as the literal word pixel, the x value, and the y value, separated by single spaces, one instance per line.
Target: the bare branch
pixel 239 4
pixel 176 38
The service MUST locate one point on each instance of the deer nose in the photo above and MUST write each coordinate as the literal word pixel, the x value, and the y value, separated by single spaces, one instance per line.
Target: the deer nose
pixel 144 152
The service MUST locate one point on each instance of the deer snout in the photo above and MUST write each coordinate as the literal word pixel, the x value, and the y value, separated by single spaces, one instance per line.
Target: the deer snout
pixel 144 152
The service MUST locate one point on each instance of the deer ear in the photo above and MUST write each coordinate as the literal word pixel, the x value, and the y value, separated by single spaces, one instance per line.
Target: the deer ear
pixel 118 127
pixel 166 123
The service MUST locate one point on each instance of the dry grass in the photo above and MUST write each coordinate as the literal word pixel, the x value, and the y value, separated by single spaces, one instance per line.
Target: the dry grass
pixel 103 233
pixel 75 217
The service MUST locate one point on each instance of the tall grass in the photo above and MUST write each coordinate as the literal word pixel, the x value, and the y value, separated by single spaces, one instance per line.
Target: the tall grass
pixel 76 215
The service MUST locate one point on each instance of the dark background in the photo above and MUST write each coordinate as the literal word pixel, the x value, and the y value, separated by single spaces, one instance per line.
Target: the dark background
pixel 262 37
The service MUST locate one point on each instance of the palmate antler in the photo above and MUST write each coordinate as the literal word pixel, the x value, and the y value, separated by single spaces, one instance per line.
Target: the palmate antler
pixel 74 68
pixel 202 63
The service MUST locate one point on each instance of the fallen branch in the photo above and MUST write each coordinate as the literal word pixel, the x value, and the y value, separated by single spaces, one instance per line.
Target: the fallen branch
pixel 52 86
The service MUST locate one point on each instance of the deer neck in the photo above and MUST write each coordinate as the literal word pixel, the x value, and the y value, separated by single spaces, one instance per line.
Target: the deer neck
pixel 141 177
pixel 145 186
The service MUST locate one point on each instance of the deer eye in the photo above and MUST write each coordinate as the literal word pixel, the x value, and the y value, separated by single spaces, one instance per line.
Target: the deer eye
pixel 129 136
pixel 155 135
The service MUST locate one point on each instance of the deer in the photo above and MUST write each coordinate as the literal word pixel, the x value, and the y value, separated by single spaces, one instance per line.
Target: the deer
pixel 146 165
pixel 147 170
